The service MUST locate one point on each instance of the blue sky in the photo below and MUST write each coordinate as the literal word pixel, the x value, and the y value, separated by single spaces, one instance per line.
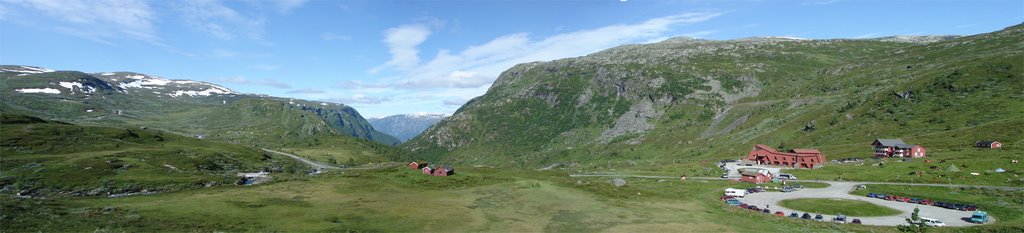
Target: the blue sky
pixel 393 57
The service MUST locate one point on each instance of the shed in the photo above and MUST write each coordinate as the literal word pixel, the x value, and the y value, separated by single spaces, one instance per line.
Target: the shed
pixel 755 175
pixel 444 171
pixel 427 170
pixel 988 144
pixel 417 165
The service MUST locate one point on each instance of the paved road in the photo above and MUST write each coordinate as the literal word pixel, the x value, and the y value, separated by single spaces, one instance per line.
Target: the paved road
pixel 315 165
pixel 841 190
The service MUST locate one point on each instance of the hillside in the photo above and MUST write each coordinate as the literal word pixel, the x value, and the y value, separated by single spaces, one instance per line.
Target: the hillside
pixel 48 158
pixel 686 100
pixel 185 107
pixel 405 126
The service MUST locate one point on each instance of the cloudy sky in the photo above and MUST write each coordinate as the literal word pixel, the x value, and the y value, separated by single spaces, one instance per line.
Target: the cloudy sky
pixel 393 57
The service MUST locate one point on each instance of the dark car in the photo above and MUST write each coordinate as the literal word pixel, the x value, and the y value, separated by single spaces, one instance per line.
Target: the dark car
pixel 806 216
pixel 743 205
pixel 971 208
pixel 794 215
pixel 798 186
pixel 856 221
pixel 872 195
pixel 760 189
pixel 787 189
pixel 819 217
pixel 939 204
pixel 915 200
pixel 766 210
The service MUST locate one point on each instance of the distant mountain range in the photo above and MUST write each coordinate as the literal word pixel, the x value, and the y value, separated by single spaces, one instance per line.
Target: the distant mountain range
pixel 406 126
pixel 191 108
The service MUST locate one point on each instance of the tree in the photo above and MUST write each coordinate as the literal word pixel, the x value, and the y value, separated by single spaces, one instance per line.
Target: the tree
pixel 914 223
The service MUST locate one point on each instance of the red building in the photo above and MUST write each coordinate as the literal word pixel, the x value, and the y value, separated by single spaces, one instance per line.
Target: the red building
pixel 754 175
pixel 417 165
pixel 444 171
pixel 989 144
pixel 896 148
pixel 427 170
pixel 802 158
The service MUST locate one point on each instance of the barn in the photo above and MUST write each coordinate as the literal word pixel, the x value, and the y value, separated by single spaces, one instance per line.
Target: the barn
pixel 896 148
pixel 801 158
pixel 444 171
pixel 755 175
pixel 417 165
pixel 427 170
pixel 988 144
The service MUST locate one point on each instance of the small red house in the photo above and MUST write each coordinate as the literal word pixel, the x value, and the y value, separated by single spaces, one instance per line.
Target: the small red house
pixel 444 171
pixel 417 165
pixel 427 170
pixel 754 175
pixel 989 144
pixel 896 148
pixel 802 158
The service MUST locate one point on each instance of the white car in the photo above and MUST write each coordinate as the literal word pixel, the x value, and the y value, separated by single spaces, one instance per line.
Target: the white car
pixel 932 222
pixel 787 176
pixel 731 192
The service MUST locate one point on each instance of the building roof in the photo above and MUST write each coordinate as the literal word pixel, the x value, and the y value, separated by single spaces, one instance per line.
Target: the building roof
pixel 748 171
pixel 764 147
pixel 428 167
pixel 889 142
pixel 806 151
pixel 905 146
pixel 450 168
pixel 986 142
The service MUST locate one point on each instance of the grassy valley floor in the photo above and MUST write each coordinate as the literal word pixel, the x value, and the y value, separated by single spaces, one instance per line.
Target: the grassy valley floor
pixel 402 200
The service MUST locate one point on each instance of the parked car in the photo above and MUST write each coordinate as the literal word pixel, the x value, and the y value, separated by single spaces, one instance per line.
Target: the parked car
pixel 798 186
pixel 743 205
pixel 881 196
pixel 856 221
pixel 754 208
pixel 819 218
pixel 731 192
pixel 915 200
pixel 787 189
pixel 806 216
pixel 725 176
pixel 971 208
pixel 760 189
pixel 794 215
pixel 903 199
pixel 872 195
pixel 939 204
pixel 979 217
pixel 787 176
pixel 839 218
pixel 932 222
pixel 780 214
pixel 733 202
pixel 926 202
pixel 766 210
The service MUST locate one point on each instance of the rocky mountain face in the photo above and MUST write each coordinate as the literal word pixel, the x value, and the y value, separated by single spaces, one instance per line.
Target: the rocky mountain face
pixel 186 107
pixel 699 99
pixel 406 126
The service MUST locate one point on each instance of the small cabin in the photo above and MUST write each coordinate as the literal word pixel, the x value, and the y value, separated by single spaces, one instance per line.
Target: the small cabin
pixel 417 165
pixel 444 171
pixel 754 175
pixel 988 144
pixel 427 170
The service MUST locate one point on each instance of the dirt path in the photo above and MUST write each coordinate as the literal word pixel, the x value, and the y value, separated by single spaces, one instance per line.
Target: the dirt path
pixel 315 165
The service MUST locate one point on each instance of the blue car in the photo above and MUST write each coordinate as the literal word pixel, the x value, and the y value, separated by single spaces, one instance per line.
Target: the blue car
pixel 873 195
pixel 733 202
pixel 794 215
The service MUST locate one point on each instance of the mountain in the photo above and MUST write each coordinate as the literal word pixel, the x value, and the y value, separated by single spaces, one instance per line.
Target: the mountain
pixel 184 107
pixel 690 99
pixel 46 158
pixel 406 126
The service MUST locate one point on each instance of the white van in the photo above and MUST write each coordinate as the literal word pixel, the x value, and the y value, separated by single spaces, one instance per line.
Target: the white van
pixel 787 176
pixel 731 192
pixel 932 222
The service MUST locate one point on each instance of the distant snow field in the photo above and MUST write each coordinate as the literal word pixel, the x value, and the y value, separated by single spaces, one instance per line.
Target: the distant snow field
pixel 39 90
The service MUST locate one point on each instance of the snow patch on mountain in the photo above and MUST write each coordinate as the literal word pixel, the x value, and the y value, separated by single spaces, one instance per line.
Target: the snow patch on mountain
pixel 206 92
pixel 72 85
pixel 39 90
pixel 27 70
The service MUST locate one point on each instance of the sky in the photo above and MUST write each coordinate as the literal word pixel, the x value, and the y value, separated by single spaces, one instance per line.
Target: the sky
pixel 398 57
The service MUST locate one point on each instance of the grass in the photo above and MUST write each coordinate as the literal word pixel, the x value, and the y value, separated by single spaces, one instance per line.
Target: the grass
pixel 1005 206
pixel 848 207
pixel 401 200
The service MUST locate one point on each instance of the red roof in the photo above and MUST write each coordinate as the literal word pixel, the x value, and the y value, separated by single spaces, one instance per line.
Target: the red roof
pixel 765 147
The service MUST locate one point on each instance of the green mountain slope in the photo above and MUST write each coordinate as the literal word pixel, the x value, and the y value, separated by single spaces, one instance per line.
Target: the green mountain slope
pixel 180 106
pixel 684 99
pixel 46 158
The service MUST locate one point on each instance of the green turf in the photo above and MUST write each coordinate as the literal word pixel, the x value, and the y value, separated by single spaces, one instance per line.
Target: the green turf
pixel 854 208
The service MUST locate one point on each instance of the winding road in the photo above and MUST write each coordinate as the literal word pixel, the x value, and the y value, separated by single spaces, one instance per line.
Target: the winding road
pixel 315 165
pixel 841 190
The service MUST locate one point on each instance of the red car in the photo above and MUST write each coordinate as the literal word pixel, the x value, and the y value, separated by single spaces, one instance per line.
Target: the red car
pixel 890 198
pixel 780 214
pixel 904 199
pixel 926 202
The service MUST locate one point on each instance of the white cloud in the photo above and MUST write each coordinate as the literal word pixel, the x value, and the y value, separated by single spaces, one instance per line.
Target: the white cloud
pixel 868 35
pixel 402 42
pixel 99 20
pixel 218 20
pixel 264 82
pixel 359 99
pixel 477 66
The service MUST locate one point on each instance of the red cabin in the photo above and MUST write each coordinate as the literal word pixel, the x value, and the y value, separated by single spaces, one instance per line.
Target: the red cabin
pixel 417 165
pixel 754 175
pixel 427 170
pixel 444 171
pixel 802 158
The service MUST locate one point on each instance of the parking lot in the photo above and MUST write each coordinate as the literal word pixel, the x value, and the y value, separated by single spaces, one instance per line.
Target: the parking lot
pixel 840 190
